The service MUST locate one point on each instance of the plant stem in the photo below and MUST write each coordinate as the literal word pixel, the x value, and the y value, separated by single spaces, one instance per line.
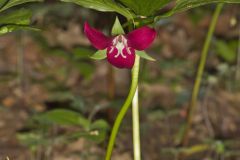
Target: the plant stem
pixel 136 128
pixel 238 61
pixel 124 108
pixel 198 79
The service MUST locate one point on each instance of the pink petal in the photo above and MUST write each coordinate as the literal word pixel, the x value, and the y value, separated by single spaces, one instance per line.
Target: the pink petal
pixel 98 39
pixel 121 62
pixel 141 38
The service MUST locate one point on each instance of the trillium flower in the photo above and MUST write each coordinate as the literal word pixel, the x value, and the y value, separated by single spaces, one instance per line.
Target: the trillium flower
pixel 121 48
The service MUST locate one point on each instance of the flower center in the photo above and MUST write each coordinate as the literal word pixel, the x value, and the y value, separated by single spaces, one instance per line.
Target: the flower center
pixel 120 43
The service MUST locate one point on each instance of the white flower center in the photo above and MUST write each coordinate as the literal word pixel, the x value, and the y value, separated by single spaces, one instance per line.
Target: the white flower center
pixel 120 42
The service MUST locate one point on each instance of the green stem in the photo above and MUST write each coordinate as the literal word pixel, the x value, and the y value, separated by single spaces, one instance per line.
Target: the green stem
pixel 136 128
pixel 198 79
pixel 124 109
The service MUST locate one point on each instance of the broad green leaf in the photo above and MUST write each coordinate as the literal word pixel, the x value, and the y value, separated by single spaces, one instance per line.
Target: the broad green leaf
pixel 20 17
pixel 15 20
pixel 144 55
pixel 95 135
pixel 103 5
pixel 117 28
pixel 225 51
pixel 183 5
pixel 99 124
pixel 10 28
pixel 96 132
pixel 64 117
pixel 11 3
pixel 145 7
pixel 100 54
pixel 3 2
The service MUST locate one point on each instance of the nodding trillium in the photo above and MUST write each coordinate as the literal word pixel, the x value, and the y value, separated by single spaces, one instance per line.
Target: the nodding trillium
pixel 121 48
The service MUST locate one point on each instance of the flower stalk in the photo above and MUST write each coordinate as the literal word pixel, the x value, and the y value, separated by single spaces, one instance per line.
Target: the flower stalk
pixel 199 76
pixel 124 108
pixel 136 128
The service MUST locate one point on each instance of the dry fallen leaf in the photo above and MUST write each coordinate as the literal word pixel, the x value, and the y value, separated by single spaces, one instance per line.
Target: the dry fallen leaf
pixel 8 102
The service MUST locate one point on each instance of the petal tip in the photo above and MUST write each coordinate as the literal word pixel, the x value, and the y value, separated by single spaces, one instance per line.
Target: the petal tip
pixel 86 27
pixel 142 38
pixel 97 38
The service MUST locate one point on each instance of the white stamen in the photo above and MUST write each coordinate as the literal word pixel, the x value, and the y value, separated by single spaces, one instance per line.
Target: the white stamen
pixel 120 42
pixel 128 50
pixel 120 48
pixel 112 48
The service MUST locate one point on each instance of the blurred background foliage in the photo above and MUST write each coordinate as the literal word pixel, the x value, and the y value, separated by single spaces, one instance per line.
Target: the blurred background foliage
pixel 57 103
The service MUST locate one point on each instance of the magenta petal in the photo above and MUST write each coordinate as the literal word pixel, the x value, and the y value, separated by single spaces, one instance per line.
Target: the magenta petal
pixel 98 39
pixel 130 58
pixel 141 38
pixel 118 60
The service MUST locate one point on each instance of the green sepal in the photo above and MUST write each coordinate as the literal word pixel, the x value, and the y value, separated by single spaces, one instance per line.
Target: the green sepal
pixel 99 55
pixel 144 55
pixel 117 28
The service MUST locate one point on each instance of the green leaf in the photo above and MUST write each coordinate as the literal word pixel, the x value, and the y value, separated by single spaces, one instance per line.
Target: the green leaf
pixel 15 20
pixel 100 54
pixel 11 3
pixel 63 117
pixel 95 135
pixel 10 28
pixel 100 124
pixel 96 132
pixel 225 51
pixel 117 28
pixel 18 17
pixel 104 6
pixel 145 7
pixel 144 55
pixel 183 5
pixel 3 2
